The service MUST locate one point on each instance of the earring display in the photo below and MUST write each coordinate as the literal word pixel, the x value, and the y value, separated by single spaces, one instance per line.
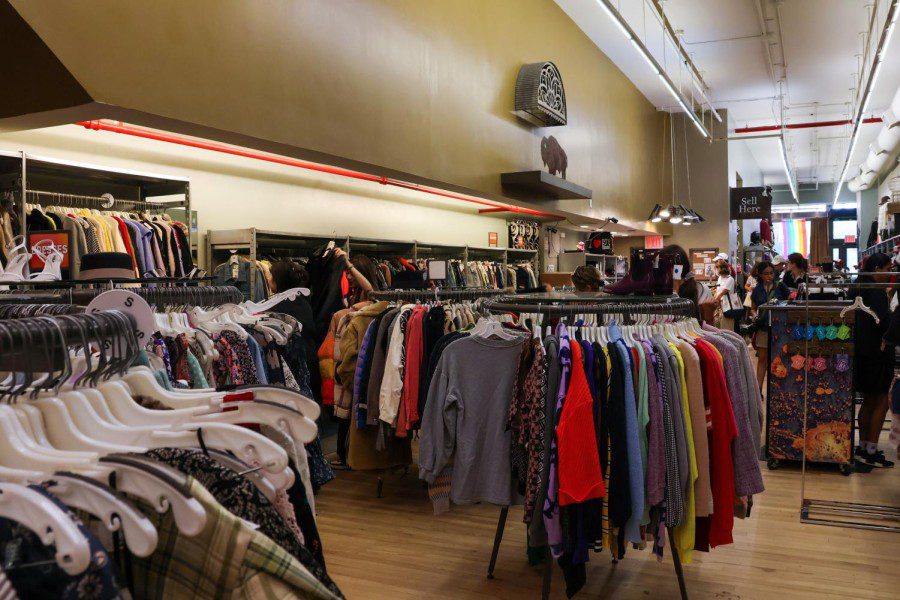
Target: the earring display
pixel 810 358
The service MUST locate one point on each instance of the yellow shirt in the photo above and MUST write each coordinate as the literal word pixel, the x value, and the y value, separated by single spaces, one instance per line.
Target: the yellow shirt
pixel 685 534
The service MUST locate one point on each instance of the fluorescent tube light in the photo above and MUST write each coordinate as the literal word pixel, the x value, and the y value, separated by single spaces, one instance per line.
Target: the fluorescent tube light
pixel 787 169
pixel 616 18
pixel 645 56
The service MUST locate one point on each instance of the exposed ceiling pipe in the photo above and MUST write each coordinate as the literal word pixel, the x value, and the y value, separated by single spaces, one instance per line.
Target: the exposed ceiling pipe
pixel 809 125
pixel 162 136
pixel 893 13
pixel 765 40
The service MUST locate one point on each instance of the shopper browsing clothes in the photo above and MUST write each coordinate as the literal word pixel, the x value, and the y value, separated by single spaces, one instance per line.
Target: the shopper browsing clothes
pixel 763 293
pixel 732 310
pixel 586 278
pixel 361 279
pixel 873 351
pixel 688 286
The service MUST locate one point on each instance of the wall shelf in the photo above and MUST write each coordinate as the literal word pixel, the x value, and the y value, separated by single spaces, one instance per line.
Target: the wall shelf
pixel 541 185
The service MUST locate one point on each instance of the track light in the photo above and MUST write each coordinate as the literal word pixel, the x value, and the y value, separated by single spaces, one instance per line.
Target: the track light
pixel 665 213
pixel 654 65
pixel 655 217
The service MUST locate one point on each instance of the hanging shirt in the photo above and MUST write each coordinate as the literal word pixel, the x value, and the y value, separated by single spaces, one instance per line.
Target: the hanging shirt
pixel 635 466
pixel 721 430
pixel 551 503
pixel 580 478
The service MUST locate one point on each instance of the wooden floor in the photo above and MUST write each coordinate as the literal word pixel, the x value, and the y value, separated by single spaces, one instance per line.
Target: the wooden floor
pixel 394 547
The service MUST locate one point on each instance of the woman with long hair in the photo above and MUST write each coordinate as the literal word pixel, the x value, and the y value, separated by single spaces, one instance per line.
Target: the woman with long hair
pixel 763 293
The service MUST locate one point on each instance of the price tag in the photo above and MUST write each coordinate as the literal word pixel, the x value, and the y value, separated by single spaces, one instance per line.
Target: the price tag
pixel 130 303
pixel 676 274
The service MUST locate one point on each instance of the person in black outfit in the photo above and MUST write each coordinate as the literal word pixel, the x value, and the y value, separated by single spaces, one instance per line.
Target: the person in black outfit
pixel 874 359
pixel 288 274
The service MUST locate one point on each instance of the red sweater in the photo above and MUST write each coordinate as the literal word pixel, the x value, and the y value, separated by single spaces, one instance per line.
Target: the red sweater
pixel 580 478
pixel 721 431
pixel 409 400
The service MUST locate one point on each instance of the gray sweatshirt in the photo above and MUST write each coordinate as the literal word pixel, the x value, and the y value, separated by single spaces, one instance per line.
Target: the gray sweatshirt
pixel 465 420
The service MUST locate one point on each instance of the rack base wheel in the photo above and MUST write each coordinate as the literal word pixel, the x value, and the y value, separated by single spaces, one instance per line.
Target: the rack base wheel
pixel 773 463
pixel 846 469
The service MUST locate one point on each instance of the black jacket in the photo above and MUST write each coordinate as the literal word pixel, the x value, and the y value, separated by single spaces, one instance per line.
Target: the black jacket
pixel 325 273
pixel 868 335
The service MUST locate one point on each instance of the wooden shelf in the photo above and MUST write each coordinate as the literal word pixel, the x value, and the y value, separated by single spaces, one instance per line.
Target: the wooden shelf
pixel 541 185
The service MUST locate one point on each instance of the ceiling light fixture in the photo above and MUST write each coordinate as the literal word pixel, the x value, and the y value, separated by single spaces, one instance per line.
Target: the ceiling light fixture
pixel 654 214
pixel 787 169
pixel 665 213
pixel 650 60
pixel 887 32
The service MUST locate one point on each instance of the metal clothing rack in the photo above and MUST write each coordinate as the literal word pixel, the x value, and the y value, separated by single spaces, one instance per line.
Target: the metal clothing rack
pixel 831 508
pixel 156 296
pixel 104 202
pixel 426 294
pixel 560 305
pixel 51 181
pixel 578 303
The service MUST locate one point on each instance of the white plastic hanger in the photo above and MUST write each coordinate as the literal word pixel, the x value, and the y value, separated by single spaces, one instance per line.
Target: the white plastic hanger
pixel 858 304
pixel 52 526
pixel 148 482
pixel 114 512
pixel 291 294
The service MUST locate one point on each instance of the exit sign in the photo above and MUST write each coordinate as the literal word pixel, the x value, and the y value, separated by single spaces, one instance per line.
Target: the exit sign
pixel 653 242
pixel 849 239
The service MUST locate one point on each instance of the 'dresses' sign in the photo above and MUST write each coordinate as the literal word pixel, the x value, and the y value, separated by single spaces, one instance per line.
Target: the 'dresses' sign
pixel 750 203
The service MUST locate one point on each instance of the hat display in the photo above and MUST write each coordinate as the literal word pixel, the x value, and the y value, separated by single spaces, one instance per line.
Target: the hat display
pixel 106 265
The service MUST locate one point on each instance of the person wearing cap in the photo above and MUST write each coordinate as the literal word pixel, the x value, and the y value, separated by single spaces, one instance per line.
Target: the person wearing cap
pixel 779 263
pixel 730 304
pixel 586 278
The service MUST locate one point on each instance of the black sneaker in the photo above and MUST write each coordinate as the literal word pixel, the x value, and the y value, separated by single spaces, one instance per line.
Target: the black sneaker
pixel 874 459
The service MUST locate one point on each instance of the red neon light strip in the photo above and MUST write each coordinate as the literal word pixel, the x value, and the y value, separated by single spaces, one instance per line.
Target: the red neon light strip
pixel 162 136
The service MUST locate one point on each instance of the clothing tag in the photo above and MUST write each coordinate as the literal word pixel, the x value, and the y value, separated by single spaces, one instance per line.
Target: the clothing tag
pixel 676 273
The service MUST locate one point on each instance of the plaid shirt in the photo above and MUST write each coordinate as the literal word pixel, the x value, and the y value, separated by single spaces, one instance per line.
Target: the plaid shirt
pixel 227 559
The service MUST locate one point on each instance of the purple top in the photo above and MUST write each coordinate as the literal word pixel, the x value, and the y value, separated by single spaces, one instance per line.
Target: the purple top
pixel 656 450
pixel 551 502
pixel 747 474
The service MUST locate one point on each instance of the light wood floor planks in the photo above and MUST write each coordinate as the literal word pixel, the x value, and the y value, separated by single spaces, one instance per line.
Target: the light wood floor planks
pixel 394 547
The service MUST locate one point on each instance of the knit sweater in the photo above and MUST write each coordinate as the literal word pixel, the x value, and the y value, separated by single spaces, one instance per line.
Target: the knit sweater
pixel 580 478
pixel 465 420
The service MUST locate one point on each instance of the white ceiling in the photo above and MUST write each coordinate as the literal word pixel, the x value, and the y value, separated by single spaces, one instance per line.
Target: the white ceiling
pixel 821 43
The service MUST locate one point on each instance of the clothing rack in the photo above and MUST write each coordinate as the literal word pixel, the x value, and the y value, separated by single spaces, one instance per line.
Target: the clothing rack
pixel 436 294
pixel 104 202
pixel 156 296
pixel 832 508
pixel 65 283
pixel 570 305
pixel 557 305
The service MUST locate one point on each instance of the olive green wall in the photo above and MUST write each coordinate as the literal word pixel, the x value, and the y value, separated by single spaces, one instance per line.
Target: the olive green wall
pixel 423 87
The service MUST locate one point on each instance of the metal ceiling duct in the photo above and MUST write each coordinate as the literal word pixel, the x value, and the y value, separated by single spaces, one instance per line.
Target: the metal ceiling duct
pixel 884 153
